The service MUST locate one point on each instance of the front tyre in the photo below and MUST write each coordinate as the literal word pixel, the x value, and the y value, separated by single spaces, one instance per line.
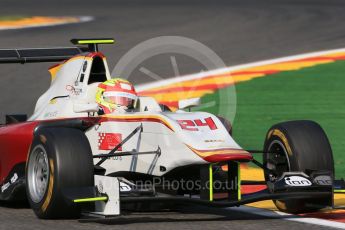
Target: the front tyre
pixel 297 146
pixel 59 158
pixel 226 123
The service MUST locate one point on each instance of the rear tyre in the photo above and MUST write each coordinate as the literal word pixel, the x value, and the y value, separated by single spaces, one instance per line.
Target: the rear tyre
pixel 59 158
pixel 297 146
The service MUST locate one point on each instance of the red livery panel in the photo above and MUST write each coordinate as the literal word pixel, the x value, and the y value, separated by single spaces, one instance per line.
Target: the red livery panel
pixel 108 141
pixel 15 141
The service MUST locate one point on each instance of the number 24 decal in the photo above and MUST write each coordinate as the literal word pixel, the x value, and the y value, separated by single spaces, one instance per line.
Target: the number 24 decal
pixel 191 125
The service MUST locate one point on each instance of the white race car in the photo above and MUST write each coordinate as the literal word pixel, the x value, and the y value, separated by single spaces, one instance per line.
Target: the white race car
pixel 66 156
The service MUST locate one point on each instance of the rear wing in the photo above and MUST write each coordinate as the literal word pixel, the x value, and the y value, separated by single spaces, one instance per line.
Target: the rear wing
pixel 32 55
pixel 38 55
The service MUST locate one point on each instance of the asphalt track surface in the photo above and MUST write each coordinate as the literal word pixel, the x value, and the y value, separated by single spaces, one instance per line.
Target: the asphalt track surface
pixel 238 31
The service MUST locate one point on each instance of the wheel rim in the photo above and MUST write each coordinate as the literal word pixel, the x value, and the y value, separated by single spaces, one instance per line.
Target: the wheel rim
pixel 38 173
pixel 277 160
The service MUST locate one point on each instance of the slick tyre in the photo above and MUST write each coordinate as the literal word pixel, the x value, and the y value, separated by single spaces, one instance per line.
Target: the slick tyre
pixel 298 146
pixel 59 158
pixel 226 123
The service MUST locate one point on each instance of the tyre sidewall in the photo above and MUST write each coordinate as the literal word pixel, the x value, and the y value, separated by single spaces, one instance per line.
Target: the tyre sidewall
pixel 42 208
pixel 70 165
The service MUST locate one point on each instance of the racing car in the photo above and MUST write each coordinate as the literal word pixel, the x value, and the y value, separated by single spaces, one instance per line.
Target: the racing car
pixel 69 160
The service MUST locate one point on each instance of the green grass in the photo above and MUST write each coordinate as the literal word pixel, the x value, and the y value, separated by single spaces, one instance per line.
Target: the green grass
pixel 315 93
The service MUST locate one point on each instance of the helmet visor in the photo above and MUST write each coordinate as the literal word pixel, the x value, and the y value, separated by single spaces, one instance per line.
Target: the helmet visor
pixel 120 99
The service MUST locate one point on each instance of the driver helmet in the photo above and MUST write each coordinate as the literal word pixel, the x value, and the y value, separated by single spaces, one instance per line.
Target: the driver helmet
pixel 116 94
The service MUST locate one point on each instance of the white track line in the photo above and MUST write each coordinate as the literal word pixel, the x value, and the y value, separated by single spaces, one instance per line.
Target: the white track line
pixel 285 216
pixel 81 20
pixel 151 85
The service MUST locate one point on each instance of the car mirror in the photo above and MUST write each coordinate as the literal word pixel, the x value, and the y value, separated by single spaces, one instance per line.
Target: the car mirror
pixel 188 103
